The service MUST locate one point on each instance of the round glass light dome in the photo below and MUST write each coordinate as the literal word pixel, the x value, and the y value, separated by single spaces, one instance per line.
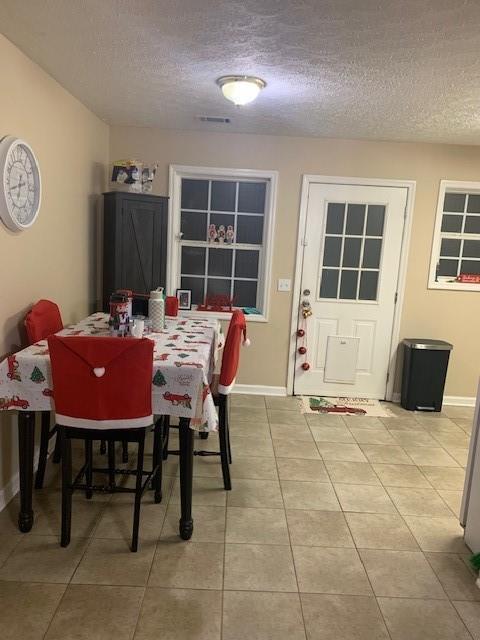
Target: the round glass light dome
pixel 240 89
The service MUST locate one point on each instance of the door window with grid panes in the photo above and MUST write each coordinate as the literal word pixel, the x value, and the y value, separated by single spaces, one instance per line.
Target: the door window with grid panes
pixel 455 260
pixel 224 224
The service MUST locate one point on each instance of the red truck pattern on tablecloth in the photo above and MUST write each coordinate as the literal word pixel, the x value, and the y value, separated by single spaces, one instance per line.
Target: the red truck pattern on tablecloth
pixel 184 360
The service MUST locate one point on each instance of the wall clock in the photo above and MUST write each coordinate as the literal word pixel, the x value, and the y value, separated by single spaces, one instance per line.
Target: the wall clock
pixel 21 188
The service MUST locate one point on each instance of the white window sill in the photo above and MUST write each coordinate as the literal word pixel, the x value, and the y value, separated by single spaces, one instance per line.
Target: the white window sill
pixel 454 286
pixel 220 315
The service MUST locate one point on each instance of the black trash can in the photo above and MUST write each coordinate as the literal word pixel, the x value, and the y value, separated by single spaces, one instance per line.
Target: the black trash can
pixel 425 365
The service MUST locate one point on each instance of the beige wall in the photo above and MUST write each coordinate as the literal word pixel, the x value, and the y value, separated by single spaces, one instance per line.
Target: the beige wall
pixel 449 315
pixel 55 258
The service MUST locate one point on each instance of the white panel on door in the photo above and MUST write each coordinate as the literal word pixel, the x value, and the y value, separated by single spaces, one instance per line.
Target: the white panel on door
pixel 323 328
pixel 342 358
pixel 365 330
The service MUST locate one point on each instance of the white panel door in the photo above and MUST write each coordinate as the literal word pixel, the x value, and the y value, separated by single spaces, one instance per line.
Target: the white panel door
pixel 353 238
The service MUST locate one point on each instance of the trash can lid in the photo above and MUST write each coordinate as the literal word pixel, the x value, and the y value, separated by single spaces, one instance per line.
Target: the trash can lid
pixel 426 343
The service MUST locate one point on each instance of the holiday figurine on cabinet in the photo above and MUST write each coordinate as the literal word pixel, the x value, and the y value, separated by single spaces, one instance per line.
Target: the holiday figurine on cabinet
pixel 212 233
pixel 229 234
pixel 221 234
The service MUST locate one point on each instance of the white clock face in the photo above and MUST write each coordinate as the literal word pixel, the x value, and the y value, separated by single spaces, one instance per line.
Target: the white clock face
pixel 20 200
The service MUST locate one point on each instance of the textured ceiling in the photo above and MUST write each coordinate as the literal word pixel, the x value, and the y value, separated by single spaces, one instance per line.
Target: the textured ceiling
pixel 382 69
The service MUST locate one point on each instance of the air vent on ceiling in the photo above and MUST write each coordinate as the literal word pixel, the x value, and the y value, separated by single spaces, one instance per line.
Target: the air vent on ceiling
pixel 217 119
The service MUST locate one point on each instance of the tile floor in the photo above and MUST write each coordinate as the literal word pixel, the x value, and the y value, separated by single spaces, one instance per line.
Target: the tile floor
pixel 336 529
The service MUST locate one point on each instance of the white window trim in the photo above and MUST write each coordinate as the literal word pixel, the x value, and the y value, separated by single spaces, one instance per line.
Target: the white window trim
pixel 177 172
pixel 461 187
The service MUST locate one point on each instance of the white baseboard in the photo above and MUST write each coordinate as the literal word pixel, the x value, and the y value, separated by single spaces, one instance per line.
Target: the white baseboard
pixel 259 390
pixel 452 401
pixel 12 487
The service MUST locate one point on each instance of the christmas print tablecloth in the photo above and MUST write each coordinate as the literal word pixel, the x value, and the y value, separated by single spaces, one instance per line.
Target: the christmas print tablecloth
pixel 184 359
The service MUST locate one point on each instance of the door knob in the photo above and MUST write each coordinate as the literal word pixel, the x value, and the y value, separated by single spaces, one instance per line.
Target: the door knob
pixel 306 292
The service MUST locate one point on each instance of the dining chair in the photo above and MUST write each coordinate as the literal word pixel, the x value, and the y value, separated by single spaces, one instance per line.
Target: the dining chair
pixel 41 321
pixel 102 388
pixel 221 388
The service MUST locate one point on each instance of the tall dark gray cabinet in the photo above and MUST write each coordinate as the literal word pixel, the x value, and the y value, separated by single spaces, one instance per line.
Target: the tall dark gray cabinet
pixel 134 242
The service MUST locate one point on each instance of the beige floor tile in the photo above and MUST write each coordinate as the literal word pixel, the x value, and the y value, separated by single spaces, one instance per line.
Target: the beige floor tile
pixel 195 565
pixel 91 612
pixel 277 416
pixel 250 429
pixel 463 413
pixel 453 500
pixel 117 520
pixel 248 414
pixel 255 493
pixel 327 570
pixel 206 492
pixel 85 514
pixel 433 420
pixel 26 609
pixel 452 478
pixel 291 432
pixel 418 502
pixel 457 440
pixel 262 616
pixel 372 436
pixel 422 619
pixel 351 472
pixel 401 475
pixel 42 559
pixel 323 420
pixel 466 424
pixel 401 574
pixel 256 526
pixel 404 423
pixel 309 495
pixel 252 447
pixel 246 400
pixel 8 542
pixel 363 422
pixel 302 469
pixel 318 528
pixel 341 452
pixel 434 427
pixel 207 467
pixel 459 455
pixel 290 403
pixel 413 438
pixel 364 498
pixel 255 567
pixel 180 614
pixel 336 617
pixel 295 449
pixel 431 457
pixel 208 522
pixel 9 518
pixel 391 454
pixel 253 468
pixel 470 614
pixel 437 534
pixel 110 561
pixel 380 531
pixel 456 578
pixel 332 434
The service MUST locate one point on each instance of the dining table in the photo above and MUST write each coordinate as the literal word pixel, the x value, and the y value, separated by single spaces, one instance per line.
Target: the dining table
pixel 185 354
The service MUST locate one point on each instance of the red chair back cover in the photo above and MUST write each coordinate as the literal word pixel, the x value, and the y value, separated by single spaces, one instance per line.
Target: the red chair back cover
pixel 102 383
pixel 42 320
pixel 237 330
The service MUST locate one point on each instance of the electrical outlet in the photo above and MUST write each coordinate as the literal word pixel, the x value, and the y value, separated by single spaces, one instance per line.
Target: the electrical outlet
pixel 284 284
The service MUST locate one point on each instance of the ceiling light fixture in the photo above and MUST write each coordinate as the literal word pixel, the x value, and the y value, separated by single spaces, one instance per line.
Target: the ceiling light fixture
pixel 241 89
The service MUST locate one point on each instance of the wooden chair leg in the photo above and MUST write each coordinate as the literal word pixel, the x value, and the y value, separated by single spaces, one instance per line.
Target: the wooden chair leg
pixel 111 463
pixel 157 461
pixel 103 447
pixel 124 451
pixel 57 452
pixel 165 435
pixel 138 492
pixel 43 454
pixel 227 432
pixel 88 470
pixel 66 488
pixel 222 435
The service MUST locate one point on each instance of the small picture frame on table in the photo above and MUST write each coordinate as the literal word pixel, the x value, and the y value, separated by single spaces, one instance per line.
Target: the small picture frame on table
pixel 184 297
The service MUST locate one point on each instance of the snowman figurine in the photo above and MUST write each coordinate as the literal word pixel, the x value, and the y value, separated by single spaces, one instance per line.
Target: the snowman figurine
pixel 229 234
pixel 212 233
pixel 221 234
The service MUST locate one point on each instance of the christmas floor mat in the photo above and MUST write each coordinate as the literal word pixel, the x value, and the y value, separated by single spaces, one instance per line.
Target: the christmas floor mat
pixel 345 406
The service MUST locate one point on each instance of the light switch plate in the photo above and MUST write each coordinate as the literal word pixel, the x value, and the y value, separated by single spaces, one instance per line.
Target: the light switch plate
pixel 284 284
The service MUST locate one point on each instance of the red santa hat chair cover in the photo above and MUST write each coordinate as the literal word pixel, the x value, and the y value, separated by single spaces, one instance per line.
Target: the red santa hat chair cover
pixel 42 320
pixel 231 353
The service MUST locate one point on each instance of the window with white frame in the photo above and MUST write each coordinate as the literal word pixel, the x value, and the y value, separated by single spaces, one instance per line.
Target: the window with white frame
pixel 221 235
pixel 455 262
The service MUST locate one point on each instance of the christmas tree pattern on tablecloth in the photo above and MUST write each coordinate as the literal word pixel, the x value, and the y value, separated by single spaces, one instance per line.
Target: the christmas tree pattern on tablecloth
pixel 159 379
pixel 37 376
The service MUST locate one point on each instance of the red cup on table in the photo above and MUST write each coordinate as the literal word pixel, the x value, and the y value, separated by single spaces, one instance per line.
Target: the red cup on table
pixel 171 306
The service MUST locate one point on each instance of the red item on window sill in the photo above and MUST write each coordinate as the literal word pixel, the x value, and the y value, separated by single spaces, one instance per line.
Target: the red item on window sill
pixel 469 278
pixel 171 306
pixel 217 303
